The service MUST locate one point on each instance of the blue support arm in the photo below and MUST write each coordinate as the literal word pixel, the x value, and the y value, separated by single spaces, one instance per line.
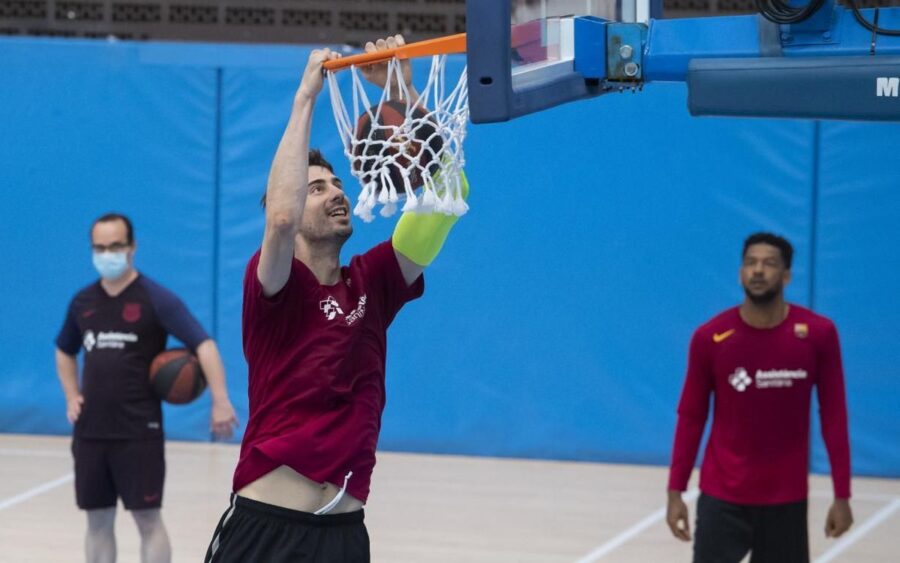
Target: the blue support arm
pixel 827 66
pixel 673 44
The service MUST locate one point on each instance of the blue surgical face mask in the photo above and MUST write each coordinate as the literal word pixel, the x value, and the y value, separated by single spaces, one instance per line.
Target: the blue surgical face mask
pixel 111 265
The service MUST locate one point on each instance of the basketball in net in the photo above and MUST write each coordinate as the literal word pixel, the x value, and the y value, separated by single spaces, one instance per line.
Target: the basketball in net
pixel 405 149
pixel 387 143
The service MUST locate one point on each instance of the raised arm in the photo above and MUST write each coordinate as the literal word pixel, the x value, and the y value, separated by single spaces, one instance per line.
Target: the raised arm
pixel 419 237
pixel 377 73
pixel 287 188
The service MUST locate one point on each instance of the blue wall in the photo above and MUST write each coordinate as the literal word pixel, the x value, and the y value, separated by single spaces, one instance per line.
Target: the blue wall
pixel 556 320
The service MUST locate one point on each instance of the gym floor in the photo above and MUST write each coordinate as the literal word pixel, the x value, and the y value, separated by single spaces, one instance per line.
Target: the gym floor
pixel 423 509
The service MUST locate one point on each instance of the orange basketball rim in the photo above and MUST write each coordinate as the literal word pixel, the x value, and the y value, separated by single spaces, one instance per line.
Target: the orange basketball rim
pixel 424 175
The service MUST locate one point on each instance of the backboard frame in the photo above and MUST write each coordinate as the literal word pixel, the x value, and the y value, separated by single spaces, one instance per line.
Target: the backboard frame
pixel 496 93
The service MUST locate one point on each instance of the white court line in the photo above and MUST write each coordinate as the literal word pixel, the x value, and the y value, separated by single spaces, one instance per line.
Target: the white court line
pixel 660 514
pixel 631 532
pixel 35 453
pixel 878 497
pixel 204 449
pixel 856 533
pixel 25 452
pixel 33 492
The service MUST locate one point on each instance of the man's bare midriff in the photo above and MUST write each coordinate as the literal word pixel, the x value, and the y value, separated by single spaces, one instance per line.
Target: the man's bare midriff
pixel 286 488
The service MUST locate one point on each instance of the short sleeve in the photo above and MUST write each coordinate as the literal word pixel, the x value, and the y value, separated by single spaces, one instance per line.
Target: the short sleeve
pixel 175 318
pixel 69 338
pixel 253 289
pixel 384 275
pixel 257 304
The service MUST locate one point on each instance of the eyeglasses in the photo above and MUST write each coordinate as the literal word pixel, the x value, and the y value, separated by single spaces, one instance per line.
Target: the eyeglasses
pixel 112 247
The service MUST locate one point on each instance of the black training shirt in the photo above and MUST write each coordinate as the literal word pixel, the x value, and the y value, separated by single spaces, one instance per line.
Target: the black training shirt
pixel 121 335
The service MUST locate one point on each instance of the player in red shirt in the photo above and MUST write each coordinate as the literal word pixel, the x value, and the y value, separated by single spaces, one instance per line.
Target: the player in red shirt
pixel 314 337
pixel 760 361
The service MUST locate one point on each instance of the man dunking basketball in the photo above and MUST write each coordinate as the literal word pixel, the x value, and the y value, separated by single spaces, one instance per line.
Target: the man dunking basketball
pixel 760 361
pixel 122 322
pixel 314 336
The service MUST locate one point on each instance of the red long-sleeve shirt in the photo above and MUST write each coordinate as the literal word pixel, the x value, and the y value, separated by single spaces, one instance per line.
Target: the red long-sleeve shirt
pixel 761 380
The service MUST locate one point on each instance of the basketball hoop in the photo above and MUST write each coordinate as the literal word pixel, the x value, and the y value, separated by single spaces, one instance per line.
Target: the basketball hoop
pixel 400 144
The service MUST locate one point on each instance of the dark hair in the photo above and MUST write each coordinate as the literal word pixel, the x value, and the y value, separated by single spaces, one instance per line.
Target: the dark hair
pixel 129 229
pixel 315 159
pixel 781 243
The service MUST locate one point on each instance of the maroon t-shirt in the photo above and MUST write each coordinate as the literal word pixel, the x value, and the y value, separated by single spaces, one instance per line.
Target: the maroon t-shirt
pixel 317 360
pixel 762 380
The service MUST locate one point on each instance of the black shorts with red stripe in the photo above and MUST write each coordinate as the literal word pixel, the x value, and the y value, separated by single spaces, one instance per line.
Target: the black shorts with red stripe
pixel 106 470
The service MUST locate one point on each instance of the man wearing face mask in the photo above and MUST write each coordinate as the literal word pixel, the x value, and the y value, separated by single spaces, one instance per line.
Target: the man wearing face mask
pixel 760 361
pixel 123 321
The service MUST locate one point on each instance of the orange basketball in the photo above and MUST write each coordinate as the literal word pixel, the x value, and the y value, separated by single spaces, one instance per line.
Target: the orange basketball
pixel 176 377
pixel 383 142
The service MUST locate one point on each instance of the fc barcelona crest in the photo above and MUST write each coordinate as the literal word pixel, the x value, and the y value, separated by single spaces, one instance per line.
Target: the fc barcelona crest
pixel 801 330
pixel 131 312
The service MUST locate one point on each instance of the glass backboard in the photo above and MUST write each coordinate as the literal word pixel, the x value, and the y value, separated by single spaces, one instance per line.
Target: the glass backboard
pixel 539 29
pixel 521 53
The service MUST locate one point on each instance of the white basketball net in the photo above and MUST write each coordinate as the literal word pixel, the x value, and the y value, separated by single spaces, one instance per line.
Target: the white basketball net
pixel 386 156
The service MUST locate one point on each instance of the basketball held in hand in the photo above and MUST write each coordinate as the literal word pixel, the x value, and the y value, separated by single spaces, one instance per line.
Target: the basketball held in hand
pixel 176 377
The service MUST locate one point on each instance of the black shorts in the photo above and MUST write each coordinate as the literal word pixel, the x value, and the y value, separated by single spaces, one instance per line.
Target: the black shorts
pixel 726 532
pixel 255 532
pixel 108 469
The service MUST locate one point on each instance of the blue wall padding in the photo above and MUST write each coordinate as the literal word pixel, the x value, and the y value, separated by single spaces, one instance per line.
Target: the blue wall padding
pixel 561 309
pixel 85 129
pixel 556 320
pixel 858 281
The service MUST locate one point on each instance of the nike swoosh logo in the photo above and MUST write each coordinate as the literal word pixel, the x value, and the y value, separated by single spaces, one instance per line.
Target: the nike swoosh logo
pixel 720 336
